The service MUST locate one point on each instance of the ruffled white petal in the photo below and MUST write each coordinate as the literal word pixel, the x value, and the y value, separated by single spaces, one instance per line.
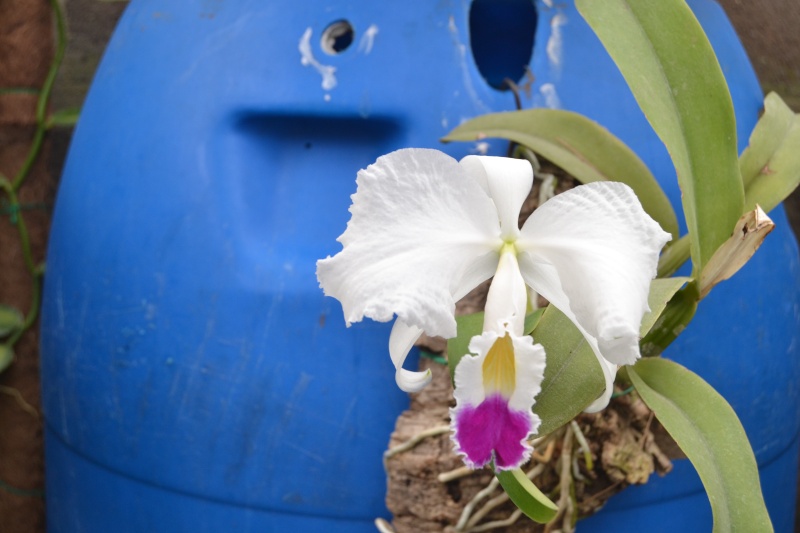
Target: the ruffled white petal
pixel 592 251
pixel 609 374
pixel 420 229
pixel 469 371
pixel 401 340
pixel 508 182
pixel 530 359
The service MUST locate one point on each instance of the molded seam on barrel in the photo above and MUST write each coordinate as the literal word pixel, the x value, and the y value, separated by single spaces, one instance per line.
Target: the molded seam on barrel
pixel 208 498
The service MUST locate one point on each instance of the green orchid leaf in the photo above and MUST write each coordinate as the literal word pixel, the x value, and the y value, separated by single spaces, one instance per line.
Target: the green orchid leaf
pixel 6 356
pixel 532 320
pixel 458 346
pixel 527 496
pixel 672 320
pixel 710 434
pixel 661 292
pixel 572 378
pixel 10 320
pixel 771 163
pixel 579 145
pixel 673 257
pixel 669 65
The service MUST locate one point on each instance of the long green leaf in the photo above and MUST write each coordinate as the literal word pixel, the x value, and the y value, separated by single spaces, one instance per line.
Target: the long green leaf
pixel 770 168
pixel 582 147
pixel 771 163
pixel 572 378
pixel 661 292
pixel 669 65
pixel 710 434
pixel 527 496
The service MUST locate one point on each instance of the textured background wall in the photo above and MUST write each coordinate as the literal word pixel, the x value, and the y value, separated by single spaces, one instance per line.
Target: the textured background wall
pixel 768 29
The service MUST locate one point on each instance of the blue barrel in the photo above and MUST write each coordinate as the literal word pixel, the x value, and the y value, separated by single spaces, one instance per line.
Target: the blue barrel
pixel 194 378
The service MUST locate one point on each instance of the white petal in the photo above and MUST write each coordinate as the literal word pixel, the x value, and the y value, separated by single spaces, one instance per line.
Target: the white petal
pixel 507 300
pixel 401 340
pixel 420 228
pixel 592 251
pixel 609 374
pixel 508 181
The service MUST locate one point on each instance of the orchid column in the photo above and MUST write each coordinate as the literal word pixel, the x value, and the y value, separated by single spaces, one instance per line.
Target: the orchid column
pixel 426 229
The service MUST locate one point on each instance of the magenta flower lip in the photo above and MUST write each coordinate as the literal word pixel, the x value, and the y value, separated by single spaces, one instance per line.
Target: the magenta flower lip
pixel 493 431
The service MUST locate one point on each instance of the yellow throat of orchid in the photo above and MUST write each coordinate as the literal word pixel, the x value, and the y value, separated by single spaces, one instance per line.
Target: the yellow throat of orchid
pixel 499 372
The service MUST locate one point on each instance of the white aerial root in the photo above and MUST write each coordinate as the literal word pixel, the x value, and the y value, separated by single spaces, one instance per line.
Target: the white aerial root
pixel 413 441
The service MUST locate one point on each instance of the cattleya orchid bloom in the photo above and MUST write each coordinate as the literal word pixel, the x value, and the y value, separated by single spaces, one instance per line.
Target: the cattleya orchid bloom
pixel 426 229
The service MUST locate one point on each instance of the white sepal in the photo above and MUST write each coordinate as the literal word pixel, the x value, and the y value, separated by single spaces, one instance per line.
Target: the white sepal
pixel 420 229
pixel 508 182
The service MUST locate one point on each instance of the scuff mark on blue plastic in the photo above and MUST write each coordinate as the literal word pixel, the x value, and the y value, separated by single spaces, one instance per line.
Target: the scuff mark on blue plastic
pixel 555 42
pixel 328 72
pixel 461 50
pixel 368 39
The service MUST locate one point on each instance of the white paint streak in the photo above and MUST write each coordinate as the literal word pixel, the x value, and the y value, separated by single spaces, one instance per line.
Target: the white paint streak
pixel 548 3
pixel 551 100
pixel 368 39
pixel 461 50
pixel 327 72
pixel 481 148
pixel 555 42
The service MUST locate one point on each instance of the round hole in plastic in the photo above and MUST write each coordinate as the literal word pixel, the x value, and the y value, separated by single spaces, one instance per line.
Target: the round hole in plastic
pixel 337 37
pixel 501 34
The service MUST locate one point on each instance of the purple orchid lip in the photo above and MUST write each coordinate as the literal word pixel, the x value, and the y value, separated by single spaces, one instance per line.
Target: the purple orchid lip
pixel 492 430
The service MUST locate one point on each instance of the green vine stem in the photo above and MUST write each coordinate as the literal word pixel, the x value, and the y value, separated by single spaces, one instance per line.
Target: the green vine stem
pixel 44 96
pixel 11 188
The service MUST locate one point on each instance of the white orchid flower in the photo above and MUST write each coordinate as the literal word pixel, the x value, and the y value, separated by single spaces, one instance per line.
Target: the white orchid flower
pixel 426 229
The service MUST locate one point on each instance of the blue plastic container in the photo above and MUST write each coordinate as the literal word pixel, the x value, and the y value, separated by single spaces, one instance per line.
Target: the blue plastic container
pixel 194 377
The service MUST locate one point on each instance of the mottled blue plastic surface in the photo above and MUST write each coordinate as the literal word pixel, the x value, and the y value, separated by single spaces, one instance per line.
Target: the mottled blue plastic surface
pixel 195 378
